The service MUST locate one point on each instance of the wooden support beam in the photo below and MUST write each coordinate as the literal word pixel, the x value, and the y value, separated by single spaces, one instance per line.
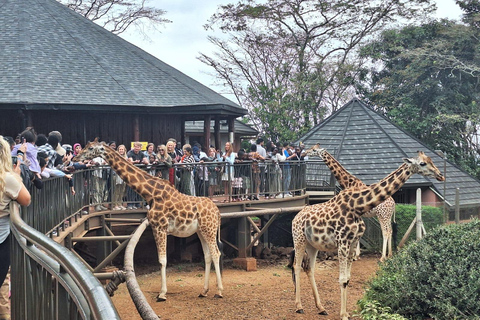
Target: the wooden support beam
pixel 206 130
pixel 100 238
pixel 216 130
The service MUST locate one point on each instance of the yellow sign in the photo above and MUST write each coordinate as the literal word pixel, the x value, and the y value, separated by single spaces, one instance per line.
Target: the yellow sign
pixel 144 145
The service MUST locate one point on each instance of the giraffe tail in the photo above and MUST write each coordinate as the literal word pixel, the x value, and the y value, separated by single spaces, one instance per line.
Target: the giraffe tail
pixel 291 261
pixel 220 245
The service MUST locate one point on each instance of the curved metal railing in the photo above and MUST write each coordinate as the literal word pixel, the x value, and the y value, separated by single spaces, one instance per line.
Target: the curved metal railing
pixel 50 282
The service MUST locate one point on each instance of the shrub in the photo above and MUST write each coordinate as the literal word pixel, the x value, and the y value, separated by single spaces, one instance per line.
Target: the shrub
pixel 432 217
pixel 436 277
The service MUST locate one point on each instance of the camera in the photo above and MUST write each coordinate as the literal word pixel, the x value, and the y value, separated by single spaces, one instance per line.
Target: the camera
pixel 14 160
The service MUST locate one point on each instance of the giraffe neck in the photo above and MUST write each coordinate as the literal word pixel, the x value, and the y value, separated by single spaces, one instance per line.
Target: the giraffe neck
pixel 133 176
pixel 369 197
pixel 344 178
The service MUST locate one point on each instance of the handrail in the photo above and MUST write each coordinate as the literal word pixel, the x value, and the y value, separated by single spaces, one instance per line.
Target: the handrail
pixel 93 302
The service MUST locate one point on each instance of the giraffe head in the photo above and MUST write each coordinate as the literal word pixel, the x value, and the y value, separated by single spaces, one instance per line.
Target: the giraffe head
pixel 315 151
pixel 92 150
pixel 423 165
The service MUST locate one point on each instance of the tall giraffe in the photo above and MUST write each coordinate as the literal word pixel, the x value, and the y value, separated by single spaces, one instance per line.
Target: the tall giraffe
pixel 170 213
pixel 384 211
pixel 337 225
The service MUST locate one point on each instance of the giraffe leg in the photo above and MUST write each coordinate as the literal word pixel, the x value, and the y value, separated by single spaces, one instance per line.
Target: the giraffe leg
pixel 299 247
pixel 357 252
pixel 387 239
pixel 310 269
pixel 161 241
pixel 216 255
pixel 345 259
pixel 389 252
pixel 208 264
pixel 211 253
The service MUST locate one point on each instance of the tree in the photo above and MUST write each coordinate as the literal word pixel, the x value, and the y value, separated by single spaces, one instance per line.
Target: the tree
pixel 426 79
pixel 117 15
pixel 291 62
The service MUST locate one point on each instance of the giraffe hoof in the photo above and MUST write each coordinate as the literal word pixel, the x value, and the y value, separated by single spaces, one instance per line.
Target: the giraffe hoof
pixel 218 296
pixel 161 299
pixel 300 311
pixel 323 313
pixel 201 295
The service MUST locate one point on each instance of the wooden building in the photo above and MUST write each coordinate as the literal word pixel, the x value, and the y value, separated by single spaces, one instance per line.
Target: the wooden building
pixel 62 72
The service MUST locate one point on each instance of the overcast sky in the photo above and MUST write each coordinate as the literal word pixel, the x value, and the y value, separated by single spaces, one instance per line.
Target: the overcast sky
pixel 179 43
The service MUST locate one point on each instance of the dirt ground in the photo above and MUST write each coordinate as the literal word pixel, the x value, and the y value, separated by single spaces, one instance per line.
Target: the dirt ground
pixel 267 293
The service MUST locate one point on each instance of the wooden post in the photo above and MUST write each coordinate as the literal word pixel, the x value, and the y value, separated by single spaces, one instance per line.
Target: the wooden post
pixel 243 237
pixel 182 131
pixel 206 129
pixel 231 131
pixel 244 259
pixel 216 129
pixel 136 128
pixel 407 234
pixel 419 214
pixel 457 206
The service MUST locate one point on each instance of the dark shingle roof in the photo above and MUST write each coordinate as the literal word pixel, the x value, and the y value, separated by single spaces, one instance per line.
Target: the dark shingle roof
pixel 53 56
pixel 370 146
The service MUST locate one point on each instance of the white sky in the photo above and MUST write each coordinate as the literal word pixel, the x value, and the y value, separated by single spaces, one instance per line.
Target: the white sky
pixel 180 42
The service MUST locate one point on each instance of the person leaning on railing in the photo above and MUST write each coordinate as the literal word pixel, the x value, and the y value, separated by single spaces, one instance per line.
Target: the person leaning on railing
pixel 11 189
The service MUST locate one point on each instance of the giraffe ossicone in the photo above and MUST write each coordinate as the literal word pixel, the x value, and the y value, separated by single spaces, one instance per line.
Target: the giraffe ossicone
pixel 337 225
pixel 170 213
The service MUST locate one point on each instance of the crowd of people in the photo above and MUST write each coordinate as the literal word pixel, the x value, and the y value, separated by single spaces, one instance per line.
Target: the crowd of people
pixel 262 169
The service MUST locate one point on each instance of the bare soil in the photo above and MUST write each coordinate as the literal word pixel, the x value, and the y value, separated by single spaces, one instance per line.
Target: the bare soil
pixel 267 293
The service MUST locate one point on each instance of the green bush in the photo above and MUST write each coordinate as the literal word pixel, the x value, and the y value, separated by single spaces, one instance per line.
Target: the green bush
pixel 432 217
pixel 436 277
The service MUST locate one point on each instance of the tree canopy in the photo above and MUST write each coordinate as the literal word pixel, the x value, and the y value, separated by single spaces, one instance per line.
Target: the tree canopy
pixel 426 79
pixel 291 62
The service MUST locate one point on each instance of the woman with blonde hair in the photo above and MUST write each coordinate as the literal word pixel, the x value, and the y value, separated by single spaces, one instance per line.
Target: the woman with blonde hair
pixel 229 158
pixel 11 189
pixel 120 186
pixel 165 161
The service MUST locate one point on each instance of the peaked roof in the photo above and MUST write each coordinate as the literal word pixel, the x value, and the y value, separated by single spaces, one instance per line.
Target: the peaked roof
pixel 370 146
pixel 53 56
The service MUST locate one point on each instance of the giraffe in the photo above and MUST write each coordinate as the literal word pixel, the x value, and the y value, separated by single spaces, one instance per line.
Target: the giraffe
pixel 337 225
pixel 384 211
pixel 170 213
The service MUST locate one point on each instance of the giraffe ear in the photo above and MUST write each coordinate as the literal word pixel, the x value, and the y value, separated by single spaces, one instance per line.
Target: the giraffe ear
pixel 409 160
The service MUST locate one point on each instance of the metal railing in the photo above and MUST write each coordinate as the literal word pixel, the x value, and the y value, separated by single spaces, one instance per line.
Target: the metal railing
pixel 217 180
pixel 49 282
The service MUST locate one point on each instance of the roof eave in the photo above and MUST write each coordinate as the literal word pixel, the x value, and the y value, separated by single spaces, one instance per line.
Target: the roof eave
pixel 217 109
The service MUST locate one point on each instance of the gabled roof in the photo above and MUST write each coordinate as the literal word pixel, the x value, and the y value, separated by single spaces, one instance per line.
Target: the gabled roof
pixel 370 146
pixel 241 128
pixel 52 56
